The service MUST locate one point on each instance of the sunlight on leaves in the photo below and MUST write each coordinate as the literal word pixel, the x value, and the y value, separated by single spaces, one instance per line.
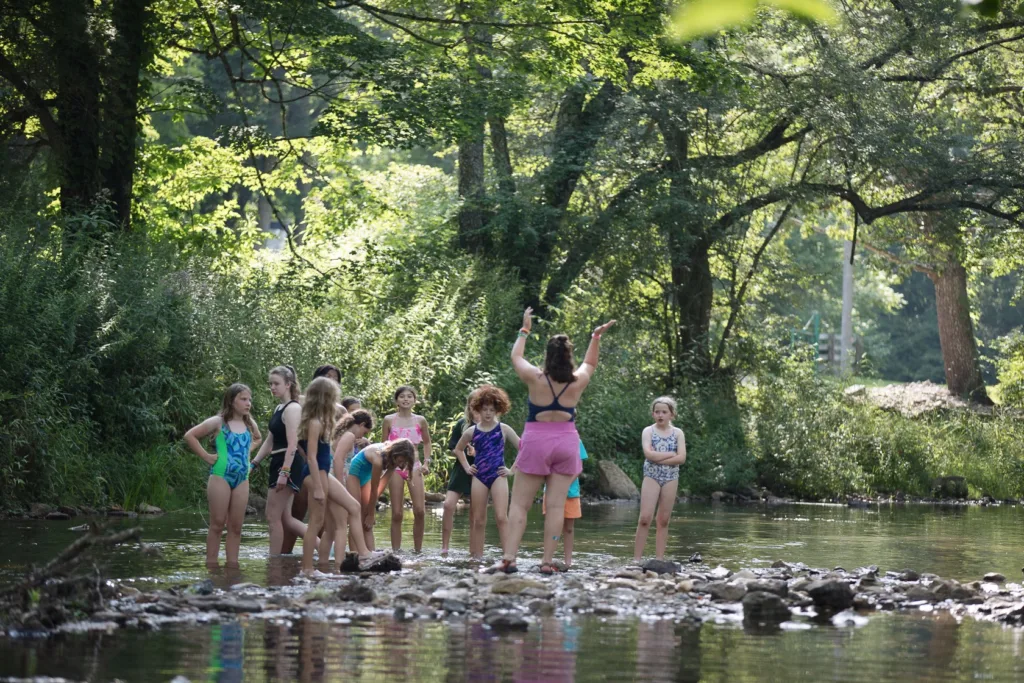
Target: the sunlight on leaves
pixel 703 17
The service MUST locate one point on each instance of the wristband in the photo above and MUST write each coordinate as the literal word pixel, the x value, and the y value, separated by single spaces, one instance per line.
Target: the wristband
pixel 523 332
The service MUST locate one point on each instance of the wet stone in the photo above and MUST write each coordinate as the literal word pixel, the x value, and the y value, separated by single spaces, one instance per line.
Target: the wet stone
pixel 775 586
pixel 516 586
pixel 204 587
pixel 506 621
pixel 727 591
pixel 720 572
pixel 356 592
pixel 760 607
pixel 831 594
pixel 662 567
pixel 454 606
pixel 909 575
pixel 994 577
pixel 413 596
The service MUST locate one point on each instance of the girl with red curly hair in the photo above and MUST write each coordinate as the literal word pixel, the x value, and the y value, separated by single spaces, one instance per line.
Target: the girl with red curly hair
pixel 488 438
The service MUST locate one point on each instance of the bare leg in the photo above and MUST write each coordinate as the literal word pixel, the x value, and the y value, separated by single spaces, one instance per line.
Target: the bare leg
pixel 362 494
pixel 477 518
pixel 418 493
pixel 524 488
pixel 499 496
pixel 236 517
pixel 218 495
pixel 558 487
pixel 300 504
pixel 568 528
pixel 318 511
pixel 348 508
pixel 451 501
pixel 327 538
pixel 396 490
pixel 665 503
pixel 649 493
pixel 279 504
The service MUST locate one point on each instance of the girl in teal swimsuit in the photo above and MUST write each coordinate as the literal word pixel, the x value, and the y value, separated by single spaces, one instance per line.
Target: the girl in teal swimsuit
pixel 369 473
pixel 227 490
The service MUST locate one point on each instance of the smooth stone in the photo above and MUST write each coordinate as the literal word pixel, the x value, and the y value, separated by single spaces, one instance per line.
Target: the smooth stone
pixel 760 607
pixel 456 606
pixel 720 572
pixel 831 594
pixel 505 621
pixel 413 596
pixel 727 591
pixel 909 575
pixel 516 586
pixel 994 577
pixel 204 587
pixel 662 567
pixel 775 586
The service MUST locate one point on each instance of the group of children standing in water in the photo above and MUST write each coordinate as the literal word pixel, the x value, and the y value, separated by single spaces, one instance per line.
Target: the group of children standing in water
pixel 320 458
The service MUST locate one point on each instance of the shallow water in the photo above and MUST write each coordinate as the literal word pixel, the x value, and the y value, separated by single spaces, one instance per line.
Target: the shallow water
pixel 961 543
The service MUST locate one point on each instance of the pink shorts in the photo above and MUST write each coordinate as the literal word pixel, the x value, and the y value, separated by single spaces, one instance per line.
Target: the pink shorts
pixel 550 448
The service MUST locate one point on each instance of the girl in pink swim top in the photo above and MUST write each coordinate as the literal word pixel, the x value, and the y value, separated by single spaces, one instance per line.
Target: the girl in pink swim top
pixel 405 424
pixel 549 452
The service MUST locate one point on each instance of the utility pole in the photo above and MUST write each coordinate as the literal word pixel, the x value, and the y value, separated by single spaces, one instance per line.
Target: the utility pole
pixel 846 328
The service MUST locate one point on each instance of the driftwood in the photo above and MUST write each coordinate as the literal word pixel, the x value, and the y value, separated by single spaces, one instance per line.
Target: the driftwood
pixel 51 594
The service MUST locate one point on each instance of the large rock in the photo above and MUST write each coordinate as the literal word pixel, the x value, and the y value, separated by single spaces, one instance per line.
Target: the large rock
pixel 831 594
pixel 727 590
pixel 613 482
pixel 774 586
pixel 662 567
pixel 762 608
pixel 949 487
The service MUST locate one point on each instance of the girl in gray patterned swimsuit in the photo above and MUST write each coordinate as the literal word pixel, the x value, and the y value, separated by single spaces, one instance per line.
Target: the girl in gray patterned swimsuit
pixel 664 451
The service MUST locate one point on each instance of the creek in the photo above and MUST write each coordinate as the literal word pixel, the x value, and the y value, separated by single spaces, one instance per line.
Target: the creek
pixel 956 542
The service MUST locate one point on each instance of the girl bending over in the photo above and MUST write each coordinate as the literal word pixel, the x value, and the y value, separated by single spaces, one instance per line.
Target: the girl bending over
pixel 370 473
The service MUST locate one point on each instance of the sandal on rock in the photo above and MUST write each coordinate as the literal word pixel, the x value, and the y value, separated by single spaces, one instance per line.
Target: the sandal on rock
pixel 548 568
pixel 503 567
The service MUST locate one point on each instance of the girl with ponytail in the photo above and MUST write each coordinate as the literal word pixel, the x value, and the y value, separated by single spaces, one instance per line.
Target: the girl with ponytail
pixel 287 467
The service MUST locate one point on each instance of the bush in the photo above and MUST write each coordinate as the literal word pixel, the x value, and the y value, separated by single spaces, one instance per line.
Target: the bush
pixel 812 442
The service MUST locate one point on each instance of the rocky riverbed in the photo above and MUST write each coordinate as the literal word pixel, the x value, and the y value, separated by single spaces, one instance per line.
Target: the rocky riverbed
pixel 779 597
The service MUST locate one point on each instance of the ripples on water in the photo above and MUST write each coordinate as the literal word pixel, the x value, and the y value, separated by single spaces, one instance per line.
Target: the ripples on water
pixel 962 543
pixel 890 648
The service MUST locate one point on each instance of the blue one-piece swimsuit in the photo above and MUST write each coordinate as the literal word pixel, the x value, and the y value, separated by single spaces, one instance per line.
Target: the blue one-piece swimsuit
pixel 232 456
pixel 490 454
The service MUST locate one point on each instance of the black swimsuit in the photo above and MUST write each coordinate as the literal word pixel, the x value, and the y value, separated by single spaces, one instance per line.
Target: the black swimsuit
pixel 280 434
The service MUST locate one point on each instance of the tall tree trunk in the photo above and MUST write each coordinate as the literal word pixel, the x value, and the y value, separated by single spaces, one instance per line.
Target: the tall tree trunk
pixel 691 299
pixel 956 333
pixel 472 215
pixel 78 105
pixel 128 53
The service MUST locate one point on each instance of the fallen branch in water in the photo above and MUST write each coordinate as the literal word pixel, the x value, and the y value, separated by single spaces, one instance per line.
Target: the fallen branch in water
pixel 49 595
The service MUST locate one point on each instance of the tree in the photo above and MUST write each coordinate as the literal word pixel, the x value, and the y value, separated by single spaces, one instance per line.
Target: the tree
pixel 82 90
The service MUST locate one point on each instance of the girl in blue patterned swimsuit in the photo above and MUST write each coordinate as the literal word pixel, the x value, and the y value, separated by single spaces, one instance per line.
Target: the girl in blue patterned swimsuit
pixel 227 490
pixel 664 451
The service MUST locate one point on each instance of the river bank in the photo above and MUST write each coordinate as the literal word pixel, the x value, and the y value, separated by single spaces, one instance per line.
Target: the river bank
pixel 783 596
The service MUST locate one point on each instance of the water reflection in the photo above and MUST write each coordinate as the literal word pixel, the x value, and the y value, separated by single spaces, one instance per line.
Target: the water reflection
pixel 890 648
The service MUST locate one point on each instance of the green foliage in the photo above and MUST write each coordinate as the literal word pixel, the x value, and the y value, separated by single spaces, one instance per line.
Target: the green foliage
pixel 1011 370
pixel 811 441
pixel 702 17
